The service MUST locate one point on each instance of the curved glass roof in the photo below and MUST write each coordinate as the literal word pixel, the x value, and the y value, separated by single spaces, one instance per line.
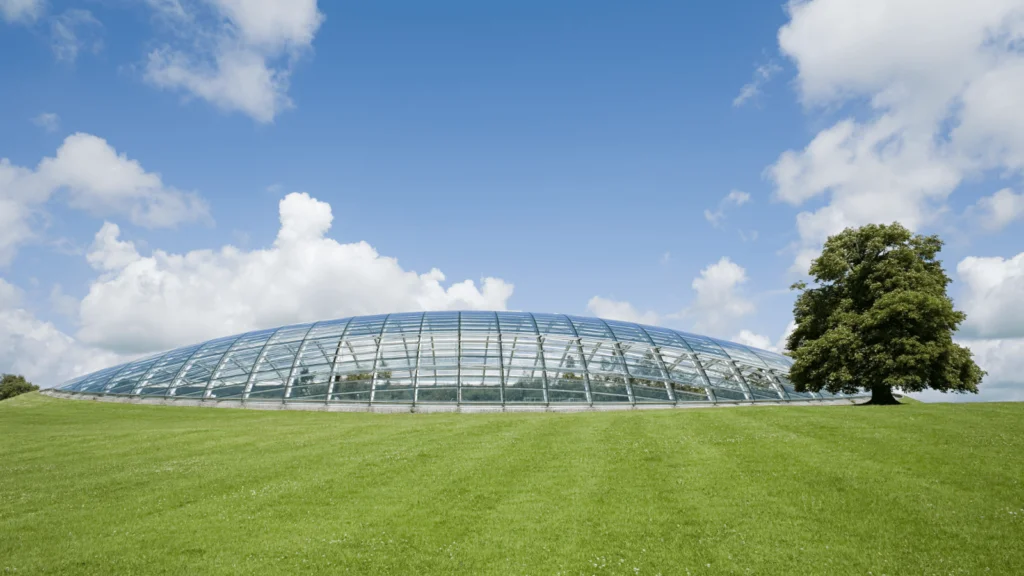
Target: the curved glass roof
pixel 457 358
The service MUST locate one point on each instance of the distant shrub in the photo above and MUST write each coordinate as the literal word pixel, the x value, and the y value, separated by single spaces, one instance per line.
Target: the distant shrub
pixel 11 386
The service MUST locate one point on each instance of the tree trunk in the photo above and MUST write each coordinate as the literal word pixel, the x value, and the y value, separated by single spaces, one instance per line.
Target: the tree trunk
pixel 881 395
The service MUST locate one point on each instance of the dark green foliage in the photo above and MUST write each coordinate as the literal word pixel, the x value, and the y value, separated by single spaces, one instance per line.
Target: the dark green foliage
pixel 878 318
pixel 11 386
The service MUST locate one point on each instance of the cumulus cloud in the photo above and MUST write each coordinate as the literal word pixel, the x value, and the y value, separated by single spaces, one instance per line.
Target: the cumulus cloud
pixel 21 10
pixel 733 198
pixel 993 296
pixel 619 310
pixel 39 350
pixel 751 338
pixel 942 91
pixel 995 212
pixel 96 179
pixel 1003 360
pixel 147 303
pixel 236 54
pixel 752 89
pixel 719 302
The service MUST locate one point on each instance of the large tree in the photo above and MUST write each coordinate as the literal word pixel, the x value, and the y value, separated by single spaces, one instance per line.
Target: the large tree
pixel 877 318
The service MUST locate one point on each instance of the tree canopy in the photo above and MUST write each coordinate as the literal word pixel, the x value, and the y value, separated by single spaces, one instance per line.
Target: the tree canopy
pixel 878 318
pixel 12 385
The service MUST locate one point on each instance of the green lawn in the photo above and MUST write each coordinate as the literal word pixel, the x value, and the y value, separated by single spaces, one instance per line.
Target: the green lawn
pixel 98 488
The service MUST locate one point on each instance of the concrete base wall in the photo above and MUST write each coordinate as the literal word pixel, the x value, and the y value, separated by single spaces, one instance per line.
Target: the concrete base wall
pixel 426 408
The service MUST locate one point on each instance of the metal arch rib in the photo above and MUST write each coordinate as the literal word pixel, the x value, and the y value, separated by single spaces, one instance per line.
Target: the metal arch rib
pixel 458 359
pixel 149 373
pixel 700 367
pixel 501 358
pixel 176 381
pixel 110 381
pixel 295 363
pixel 215 373
pixel 771 379
pixel 419 352
pixel 256 365
pixel 617 346
pixel 583 360
pixel 543 362
pixel 334 361
pixel 661 363
pixel 376 358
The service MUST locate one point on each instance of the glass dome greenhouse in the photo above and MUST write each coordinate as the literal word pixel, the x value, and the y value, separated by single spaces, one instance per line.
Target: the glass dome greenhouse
pixel 457 358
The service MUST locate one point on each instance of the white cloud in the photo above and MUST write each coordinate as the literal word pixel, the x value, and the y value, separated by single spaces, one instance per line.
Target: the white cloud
pixel 993 300
pixel 993 297
pixel 72 31
pixel 751 89
pixel 39 350
pixel 147 303
pixel 48 121
pixel 236 54
pixel 876 173
pixel 751 338
pixel 733 198
pixel 21 10
pixel 996 211
pixel 719 302
pixel 619 310
pixel 942 91
pixel 1003 360
pixel 98 180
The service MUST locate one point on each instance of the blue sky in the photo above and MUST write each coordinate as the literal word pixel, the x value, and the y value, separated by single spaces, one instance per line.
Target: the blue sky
pixel 679 162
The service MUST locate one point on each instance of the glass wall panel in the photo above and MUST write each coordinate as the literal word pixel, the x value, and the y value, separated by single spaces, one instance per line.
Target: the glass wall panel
pixel 162 374
pixel 197 372
pixel 311 383
pixel 516 323
pixel 232 373
pixel 96 382
pixel 790 389
pixel 606 369
pixel 448 357
pixel 126 381
pixel 524 369
pixel 554 324
pixel 759 382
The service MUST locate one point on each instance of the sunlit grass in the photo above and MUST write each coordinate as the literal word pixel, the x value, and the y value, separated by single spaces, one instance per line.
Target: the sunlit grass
pixel 97 488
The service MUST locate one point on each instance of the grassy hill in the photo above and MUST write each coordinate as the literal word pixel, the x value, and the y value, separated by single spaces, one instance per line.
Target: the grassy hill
pixel 97 488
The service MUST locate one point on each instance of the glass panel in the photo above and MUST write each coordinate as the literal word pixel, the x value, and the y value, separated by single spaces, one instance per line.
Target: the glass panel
pixel 628 332
pixel 163 373
pixel 311 383
pixel 760 385
pixel 328 329
pixel 516 323
pixel 554 324
pixel 97 381
pixel 447 356
pixel 701 345
pixel 197 373
pixel 394 386
pixel 591 327
pixel 790 389
pixel 127 380
pixel 741 353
